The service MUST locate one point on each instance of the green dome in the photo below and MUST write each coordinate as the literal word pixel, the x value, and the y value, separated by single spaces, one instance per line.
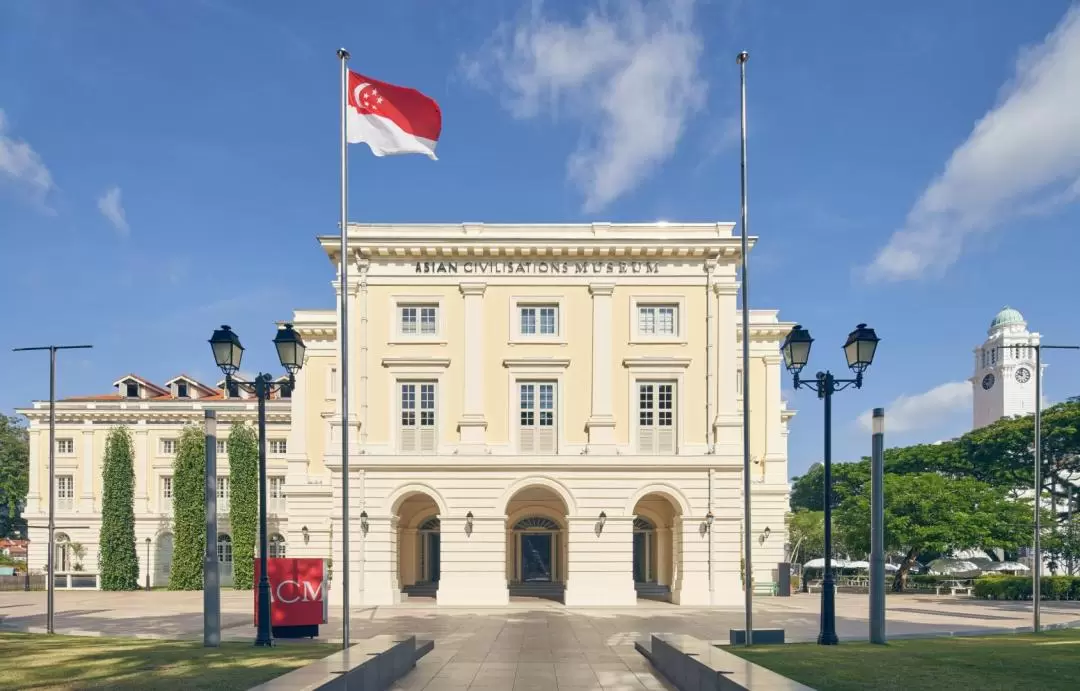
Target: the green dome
pixel 1005 317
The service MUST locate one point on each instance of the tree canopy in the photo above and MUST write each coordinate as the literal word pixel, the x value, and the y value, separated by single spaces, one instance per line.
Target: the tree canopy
pixel 14 475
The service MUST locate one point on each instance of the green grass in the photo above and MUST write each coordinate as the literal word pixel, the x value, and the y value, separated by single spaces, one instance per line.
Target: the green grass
pixel 1047 662
pixel 36 661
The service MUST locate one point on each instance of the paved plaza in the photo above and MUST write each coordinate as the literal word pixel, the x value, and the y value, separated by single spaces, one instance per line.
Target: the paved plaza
pixel 532 645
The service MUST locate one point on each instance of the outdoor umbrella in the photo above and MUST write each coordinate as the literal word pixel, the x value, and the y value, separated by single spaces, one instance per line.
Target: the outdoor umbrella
pixel 1006 567
pixel 953 567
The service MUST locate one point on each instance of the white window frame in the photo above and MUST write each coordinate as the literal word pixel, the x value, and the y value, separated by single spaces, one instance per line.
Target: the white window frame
pixel 676 301
pixel 282 443
pixel 223 481
pixel 537 410
pixel 65 503
pixel 417 409
pixel 537 369
pixel 519 302
pixel 655 412
pixel 65 446
pixel 660 369
pixel 276 548
pixel 397 302
pixel 276 493
pixel 164 442
pixel 222 447
pixel 165 485
pixel 415 369
pixel 332 380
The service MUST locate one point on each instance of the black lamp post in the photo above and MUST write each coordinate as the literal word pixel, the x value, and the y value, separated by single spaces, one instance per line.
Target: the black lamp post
pixel 148 563
pixel 859 350
pixel 227 354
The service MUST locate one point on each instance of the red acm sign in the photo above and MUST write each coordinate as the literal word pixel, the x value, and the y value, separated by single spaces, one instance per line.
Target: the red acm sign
pixel 297 591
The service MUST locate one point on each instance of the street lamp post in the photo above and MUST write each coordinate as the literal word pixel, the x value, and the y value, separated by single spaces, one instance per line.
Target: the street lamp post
pixel 859 350
pixel 148 563
pixel 227 354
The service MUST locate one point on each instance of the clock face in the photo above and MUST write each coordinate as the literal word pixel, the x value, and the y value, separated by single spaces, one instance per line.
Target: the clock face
pixel 1023 374
pixel 988 382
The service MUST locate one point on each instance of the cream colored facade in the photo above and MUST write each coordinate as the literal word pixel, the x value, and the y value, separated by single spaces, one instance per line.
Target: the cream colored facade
pixel 547 410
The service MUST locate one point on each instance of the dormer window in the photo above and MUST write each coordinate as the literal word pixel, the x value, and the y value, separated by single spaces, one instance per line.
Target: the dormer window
pixel 131 389
pixel 233 390
pixel 182 389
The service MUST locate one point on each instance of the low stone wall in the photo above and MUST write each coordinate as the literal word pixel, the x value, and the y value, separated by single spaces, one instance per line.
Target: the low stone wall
pixel 692 664
pixel 372 664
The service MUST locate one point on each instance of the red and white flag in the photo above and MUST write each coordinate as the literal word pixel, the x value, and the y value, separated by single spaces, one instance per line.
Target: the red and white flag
pixel 391 119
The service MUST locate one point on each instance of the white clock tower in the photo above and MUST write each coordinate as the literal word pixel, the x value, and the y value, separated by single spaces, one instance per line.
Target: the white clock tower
pixel 1004 378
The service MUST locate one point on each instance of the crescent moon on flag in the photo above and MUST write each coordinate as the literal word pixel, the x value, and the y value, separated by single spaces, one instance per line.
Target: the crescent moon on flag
pixel 359 90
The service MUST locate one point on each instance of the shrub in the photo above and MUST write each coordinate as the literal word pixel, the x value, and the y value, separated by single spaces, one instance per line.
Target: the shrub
pixel 1020 587
pixel 189 511
pixel 117 561
pixel 243 502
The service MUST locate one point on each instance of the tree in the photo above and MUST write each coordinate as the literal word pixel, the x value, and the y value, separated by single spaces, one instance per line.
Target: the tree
pixel 117 561
pixel 189 511
pixel 14 476
pixel 243 502
pixel 808 491
pixel 932 512
pixel 806 532
pixel 78 550
pixel 1063 546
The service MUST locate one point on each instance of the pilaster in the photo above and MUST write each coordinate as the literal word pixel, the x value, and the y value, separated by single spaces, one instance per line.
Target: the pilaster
pixel 358 542
pixel 601 422
pixel 727 423
pixel 472 426
pixel 86 461
pixel 353 423
pixel 143 460
pixel 600 562
pixel 33 495
pixel 382 585
pixel 473 561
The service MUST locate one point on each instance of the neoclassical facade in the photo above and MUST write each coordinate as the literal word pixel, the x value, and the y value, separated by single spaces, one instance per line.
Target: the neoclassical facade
pixel 535 410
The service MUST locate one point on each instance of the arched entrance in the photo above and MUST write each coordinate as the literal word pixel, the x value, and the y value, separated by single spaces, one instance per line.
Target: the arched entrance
pixel 657 547
pixel 419 546
pixel 536 549
pixel 163 559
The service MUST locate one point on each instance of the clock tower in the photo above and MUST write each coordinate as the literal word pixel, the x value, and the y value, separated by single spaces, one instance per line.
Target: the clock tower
pixel 1004 378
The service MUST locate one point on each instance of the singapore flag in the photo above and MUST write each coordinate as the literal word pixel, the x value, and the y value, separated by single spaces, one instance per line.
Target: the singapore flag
pixel 391 119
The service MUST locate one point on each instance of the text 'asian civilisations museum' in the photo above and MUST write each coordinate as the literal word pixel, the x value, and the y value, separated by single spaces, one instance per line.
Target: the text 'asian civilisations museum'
pixel 545 410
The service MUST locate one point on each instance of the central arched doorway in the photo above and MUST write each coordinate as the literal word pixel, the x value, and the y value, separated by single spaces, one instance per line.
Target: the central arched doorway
pixel 537 547
pixel 657 550
pixel 419 546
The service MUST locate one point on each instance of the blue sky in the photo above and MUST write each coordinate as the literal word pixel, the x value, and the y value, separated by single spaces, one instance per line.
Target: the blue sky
pixel 164 167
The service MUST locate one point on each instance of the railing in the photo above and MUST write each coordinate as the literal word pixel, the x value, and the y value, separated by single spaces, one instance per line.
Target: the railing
pixel 76 580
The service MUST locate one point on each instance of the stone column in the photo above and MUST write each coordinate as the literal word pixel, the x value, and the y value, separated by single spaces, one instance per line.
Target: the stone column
pixel 86 496
pixel 381 583
pixel 601 422
pixel 354 370
pixel 409 568
pixel 473 561
pixel 727 425
pixel 473 425
pixel 600 562
pixel 143 460
pixel 33 495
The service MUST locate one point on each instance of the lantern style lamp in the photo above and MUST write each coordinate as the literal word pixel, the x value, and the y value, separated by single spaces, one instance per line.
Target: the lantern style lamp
pixel 290 348
pixel 796 349
pixel 227 350
pixel 860 348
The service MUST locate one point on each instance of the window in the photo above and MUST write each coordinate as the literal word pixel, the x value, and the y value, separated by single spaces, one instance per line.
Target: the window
pixel 278 447
pixel 224 548
pixel 417 432
pixel 62 553
pixel 658 320
pixel 332 384
pixel 419 320
pixel 536 410
pixel 277 494
pixel 232 390
pixel 131 389
pixel 277 547
pixel 222 490
pixel 222 447
pixel 168 447
pixel 65 492
pixel 166 487
pixel 181 389
pixel 656 418
pixel 539 320
pixel 285 391
pixel 65 447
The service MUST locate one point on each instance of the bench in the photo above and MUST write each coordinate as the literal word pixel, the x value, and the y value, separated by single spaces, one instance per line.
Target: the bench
pixel 767 588
pixel 691 663
pixel 372 663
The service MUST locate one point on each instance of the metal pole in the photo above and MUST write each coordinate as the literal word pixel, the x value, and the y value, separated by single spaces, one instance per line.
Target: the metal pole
pixel 877 529
pixel 211 577
pixel 827 636
pixel 51 586
pixel 1036 583
pixel 263 638
pixel 148 564
pixel 50 557
pixel 343 56
pixel 748 585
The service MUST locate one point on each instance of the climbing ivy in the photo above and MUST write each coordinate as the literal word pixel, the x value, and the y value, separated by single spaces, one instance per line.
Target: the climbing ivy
pixel 189 511
pixel 243 502
pixel 117 559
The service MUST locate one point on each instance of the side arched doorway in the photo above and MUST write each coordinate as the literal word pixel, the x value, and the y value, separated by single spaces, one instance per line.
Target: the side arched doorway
pixel 657 548
pixel 419 546
pixel 163 559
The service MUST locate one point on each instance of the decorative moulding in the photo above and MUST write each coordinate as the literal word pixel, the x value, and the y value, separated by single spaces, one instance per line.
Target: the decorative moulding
pixel 656 361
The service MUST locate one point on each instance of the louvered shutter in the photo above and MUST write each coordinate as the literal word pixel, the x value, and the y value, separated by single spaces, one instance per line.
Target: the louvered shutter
pixel 527 440
pixel 427 440
pixel 545 439
pixel 646 440
pixel 409 443
pixel 665 436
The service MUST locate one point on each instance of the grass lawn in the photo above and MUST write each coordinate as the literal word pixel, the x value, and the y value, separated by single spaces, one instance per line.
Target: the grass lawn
pixel 36 661
pixel 1046 662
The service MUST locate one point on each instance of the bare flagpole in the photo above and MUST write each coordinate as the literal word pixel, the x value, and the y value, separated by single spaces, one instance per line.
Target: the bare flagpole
pixel 748 584
pixel 343 336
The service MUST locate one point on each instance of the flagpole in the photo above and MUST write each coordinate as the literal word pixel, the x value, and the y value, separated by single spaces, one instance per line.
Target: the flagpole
pixel 748 584
pixel 343 56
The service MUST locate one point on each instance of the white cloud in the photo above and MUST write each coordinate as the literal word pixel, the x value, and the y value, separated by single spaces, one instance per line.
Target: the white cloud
pixel 924 411
pixel 22 165
pixel 1022 157
pixel 111 208
pixel 628 74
